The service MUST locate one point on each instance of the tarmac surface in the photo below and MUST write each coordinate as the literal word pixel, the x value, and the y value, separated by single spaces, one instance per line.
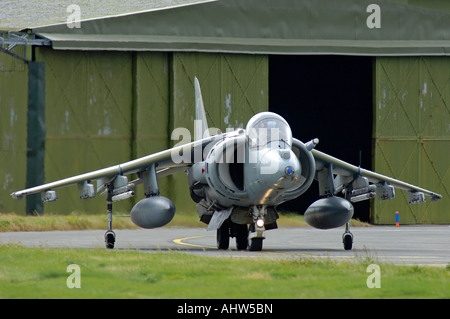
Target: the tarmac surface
pixel 407 245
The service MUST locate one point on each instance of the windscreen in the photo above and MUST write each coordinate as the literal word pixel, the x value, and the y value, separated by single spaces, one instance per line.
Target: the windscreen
pixel 268 129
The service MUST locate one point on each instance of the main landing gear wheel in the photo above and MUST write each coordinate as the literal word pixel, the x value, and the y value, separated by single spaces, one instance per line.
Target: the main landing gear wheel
pixel 230 229
pixel 241 236
pixel 223 236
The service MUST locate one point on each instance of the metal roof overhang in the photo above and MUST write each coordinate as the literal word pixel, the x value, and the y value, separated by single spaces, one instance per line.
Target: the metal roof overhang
pixel 246 45
pixel 264 27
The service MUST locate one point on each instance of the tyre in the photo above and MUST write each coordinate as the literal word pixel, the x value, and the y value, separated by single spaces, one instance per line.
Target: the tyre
pixel 347 239
pixel 223 236
pixel 255 244
pixel 110 239
pixel 241 237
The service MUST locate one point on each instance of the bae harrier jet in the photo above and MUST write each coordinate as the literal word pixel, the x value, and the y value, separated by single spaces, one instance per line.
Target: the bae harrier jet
pixel 238 179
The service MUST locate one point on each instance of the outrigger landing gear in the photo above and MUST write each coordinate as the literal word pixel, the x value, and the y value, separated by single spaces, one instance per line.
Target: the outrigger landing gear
pixel 347 237
pixel 110 236
pixel 110 239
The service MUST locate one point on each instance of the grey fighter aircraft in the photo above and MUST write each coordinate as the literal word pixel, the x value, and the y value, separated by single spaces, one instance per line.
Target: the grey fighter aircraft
pixel 237 180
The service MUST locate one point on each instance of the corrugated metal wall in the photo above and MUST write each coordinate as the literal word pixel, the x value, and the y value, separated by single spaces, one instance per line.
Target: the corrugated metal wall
pixel 104 108
pixel 412 134
pixel 13 130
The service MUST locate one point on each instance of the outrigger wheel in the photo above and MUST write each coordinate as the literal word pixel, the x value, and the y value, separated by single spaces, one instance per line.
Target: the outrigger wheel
pixel 110 239
pixel 347 238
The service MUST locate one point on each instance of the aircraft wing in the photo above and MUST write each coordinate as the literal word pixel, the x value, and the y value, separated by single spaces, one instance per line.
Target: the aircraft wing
pixel 167 162
pixel 348 174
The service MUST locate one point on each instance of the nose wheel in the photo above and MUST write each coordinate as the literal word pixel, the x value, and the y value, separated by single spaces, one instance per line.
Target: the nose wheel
pixel 255 244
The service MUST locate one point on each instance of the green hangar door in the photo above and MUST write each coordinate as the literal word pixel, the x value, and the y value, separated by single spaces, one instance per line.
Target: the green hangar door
pixel 328 97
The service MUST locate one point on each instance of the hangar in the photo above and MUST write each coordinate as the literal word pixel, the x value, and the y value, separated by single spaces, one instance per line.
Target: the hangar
pixel 371 82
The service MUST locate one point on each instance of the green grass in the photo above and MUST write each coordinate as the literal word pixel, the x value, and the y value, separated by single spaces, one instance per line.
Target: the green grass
pixel 41 273
pixel 80 221
pixel 74 221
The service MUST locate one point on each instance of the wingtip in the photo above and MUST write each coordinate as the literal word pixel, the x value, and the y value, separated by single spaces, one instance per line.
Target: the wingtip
pixel 16 196
pixel 436 197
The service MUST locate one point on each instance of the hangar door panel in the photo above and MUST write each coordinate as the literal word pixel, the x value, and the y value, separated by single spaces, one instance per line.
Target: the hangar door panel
pixel 151 128
pixel 412 134
pixel 88 119
pixel 234 88
pixel 13 125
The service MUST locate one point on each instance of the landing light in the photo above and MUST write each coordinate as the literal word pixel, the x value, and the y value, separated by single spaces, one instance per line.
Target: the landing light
pixel 260 223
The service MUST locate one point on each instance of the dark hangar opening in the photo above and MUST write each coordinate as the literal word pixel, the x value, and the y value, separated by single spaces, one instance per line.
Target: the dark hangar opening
pixel 328 97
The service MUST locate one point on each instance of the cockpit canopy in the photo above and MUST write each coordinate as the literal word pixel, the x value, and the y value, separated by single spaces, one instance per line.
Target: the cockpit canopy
pixel 267 127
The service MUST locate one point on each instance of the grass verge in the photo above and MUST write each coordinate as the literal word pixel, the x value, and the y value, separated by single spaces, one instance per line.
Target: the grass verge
pixel 132 274
pixel 79 221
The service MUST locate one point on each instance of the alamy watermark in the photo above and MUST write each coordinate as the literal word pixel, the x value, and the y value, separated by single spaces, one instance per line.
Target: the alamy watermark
pixel 374 279
pixel 74 17
pixel 74 279
pixel 374 19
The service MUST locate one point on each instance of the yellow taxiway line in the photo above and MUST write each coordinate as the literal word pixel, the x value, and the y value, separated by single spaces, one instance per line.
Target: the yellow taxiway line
pixel 181 241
